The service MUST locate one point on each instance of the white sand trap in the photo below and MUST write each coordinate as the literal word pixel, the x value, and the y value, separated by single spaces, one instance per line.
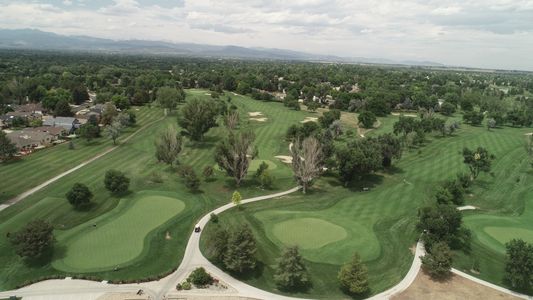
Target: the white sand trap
pixel 309 119
pixel 235 94
pixel 466 207
pixel 259 119
pixel 285 159
pixel 529 133
pixel 207 94
pixel 255 114
pixel 405 115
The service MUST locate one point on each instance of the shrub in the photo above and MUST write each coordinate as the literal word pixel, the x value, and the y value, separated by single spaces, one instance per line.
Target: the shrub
pixel 266 180
pixel 79 195
pixel 191 180
pixel 214 218
pixel 438 262
pixel 186 286
pixel 208 172
pixel 200 278
pixel 353 276
pixel 116 182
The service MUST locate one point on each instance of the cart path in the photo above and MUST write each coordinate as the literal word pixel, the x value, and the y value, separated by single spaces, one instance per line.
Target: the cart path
pixel 31 191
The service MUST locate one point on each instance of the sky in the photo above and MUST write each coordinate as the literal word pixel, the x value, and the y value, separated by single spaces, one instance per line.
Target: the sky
pixel 474 33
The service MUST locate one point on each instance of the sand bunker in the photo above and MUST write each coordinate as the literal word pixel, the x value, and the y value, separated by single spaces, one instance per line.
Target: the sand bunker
pixel 309 119
pixel 405 115
pixel 255 114
pixel 259 119
pixel 207 94
pixel 285 159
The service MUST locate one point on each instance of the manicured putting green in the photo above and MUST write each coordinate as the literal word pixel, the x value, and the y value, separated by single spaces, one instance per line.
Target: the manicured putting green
pixel 308 233
pixel 118 237
pixel 505 234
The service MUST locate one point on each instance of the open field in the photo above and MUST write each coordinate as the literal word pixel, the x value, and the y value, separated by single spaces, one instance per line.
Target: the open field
pixel 136 159
pixel 21 175
pixel 380 223
pixel 456 287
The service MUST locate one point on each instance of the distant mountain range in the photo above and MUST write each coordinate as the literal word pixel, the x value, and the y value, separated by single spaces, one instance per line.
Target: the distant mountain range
pixel 41 40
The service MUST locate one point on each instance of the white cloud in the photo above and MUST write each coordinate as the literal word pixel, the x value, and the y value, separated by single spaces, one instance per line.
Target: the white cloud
pixel 490 33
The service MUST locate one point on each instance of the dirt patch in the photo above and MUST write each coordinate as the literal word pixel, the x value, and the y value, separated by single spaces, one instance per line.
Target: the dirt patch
pixel 309 119
pixel 255 114
pixel 413 249
pixel 259 119
pixel 454 288
pixel 285 159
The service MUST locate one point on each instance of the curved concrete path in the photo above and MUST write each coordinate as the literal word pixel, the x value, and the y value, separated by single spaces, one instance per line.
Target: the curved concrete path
pixel 31 191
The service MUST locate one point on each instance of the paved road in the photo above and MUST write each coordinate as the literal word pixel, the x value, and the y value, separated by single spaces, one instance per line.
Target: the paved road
pixel 81 165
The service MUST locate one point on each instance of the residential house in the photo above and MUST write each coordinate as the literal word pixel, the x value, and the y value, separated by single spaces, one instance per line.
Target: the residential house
pixel 56 132
pixel 27 140
pixel 68 123
pixel 32 108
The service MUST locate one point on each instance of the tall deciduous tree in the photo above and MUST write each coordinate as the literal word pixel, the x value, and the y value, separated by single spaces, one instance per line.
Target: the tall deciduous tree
pixel 196 117
pixel 478 160
pixel 62 109
pixel 169 97
pixel 353 276
pixel 32 240
pixel 438 261
pixel 116 182
pixel 391 147
pixel 240 255
pixel 367 119
pixel 291 271
pixel 113 131
pixel 231 119
pixel 519 264
pixel 358 158
pixel 168 146
pixel 79 195
pixel 306 161
pixel 7 148
pixel 235 153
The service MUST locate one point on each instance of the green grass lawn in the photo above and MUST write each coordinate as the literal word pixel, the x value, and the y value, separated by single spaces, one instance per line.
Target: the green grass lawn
pixel 21 175
pixel 121 233
pixel 136 158
pixel 380 223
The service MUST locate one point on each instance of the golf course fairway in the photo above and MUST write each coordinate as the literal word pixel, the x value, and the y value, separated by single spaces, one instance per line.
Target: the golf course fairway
pixel 117 237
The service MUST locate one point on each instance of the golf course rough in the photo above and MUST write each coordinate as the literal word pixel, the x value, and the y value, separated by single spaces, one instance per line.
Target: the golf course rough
pixel 117 237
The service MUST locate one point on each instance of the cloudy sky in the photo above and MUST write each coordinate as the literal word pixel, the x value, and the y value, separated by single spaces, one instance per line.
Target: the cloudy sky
pixel 478 33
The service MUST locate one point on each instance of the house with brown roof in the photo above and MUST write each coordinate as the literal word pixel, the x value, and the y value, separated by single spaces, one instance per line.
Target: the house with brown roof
pixel 27 140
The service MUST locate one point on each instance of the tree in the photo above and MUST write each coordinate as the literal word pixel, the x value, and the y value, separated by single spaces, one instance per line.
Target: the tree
pixel 34 239
pixel 168 146
pixel 7 148
pixel 234 154
pixel 440 223
pixel 217 244
pixel 191 180
pixel 405 125
pixel 438 261
pixel 208 172
pixel 116 182
pixel 121 102
pixel 353 276
pixel 109 113
pixel 473 117
pixel 79 94
pixel 236 198
pixel 447 109
pixel 240 255
pixel 367 119
pixel 291 271
pixel 62 109
pixel 200 278
pixel 169 97
pixel 196 117
pixel 312 105
pixel 89 131
pixel 391 147
pixel 491 123
pixel 478 160
pixel 79 195
pixel 519 264
pixel 358 158
pixel 113 131
pixel 306 161
pixel 231 119
pixel 329 117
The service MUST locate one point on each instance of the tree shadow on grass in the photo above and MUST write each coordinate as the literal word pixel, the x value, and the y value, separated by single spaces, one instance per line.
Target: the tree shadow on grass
pixel 44 259
pixel 255 273
pixel 365 183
